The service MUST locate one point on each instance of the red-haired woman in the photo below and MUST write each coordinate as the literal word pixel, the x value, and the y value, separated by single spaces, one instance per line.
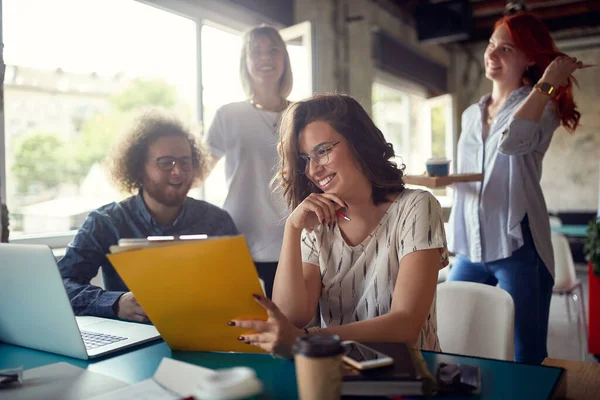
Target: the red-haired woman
pixel 500 229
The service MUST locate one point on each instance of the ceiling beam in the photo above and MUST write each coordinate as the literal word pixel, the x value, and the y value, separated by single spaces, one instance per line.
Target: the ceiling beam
pixel 564 11
pixel 572 22
pixel 394 8
pixel 495 7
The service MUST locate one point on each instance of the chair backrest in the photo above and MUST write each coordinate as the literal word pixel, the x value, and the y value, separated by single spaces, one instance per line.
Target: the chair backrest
pixel 3 223
pixel 564 268
pixel 555 221
pixel 476 320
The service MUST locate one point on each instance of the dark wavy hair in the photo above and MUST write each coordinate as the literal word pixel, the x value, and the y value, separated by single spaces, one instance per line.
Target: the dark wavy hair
pixel 130 155
pixel 347 117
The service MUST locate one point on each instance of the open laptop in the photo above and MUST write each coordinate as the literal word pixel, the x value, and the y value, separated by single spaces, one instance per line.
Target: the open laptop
pixel 35 310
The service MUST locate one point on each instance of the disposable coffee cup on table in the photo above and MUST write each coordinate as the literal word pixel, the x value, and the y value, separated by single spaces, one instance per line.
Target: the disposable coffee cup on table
pixel 438 166
pixel 318 360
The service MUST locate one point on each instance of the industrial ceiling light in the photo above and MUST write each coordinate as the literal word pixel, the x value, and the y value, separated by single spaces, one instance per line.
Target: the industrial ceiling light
pixel 514 7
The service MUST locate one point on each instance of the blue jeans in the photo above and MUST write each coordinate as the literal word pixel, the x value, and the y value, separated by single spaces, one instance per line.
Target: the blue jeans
pixel 528 281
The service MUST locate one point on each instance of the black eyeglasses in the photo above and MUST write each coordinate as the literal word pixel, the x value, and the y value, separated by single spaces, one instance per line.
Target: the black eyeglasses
pixel 319 155
pixel 167 163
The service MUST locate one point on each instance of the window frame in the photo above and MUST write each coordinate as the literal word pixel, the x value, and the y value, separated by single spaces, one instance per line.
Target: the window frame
pixel 413 88
pixel 451 138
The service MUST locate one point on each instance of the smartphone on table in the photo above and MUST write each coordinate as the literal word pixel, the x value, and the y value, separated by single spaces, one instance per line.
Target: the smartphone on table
pixel 363 357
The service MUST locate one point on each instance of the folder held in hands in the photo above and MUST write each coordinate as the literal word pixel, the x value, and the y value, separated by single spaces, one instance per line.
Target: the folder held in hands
pixel 191 289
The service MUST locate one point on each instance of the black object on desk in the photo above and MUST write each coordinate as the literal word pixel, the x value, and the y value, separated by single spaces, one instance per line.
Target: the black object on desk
pixel 458 378
pixel 11 377
pixel 408 376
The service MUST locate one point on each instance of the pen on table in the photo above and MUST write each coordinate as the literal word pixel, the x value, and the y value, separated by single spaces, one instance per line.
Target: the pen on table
pixel 341 215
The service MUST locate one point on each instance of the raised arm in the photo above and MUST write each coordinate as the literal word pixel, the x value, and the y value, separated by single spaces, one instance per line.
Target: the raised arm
pixel 535 120
pixel 523 135
pixel 297 285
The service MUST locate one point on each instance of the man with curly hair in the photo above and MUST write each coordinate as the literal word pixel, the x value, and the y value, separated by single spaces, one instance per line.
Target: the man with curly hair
pixel 159 161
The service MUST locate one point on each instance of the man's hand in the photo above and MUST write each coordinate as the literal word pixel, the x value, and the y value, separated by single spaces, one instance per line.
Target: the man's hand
pixel 130 309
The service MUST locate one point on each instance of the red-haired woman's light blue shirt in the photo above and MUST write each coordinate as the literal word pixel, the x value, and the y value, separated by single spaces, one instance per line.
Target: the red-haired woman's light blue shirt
pixel 485 222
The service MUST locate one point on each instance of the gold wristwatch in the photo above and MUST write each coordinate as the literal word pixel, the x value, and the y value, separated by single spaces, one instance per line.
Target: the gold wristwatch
pixel 546 88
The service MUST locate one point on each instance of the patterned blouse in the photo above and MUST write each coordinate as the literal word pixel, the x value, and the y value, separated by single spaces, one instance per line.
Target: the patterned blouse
pixel 358 281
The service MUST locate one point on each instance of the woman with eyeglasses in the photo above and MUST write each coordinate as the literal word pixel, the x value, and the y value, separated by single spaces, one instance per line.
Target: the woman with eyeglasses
pixel 499 228
pixel 357 243
pixel 246 134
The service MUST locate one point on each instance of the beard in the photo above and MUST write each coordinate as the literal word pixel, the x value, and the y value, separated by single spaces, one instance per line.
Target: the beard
pixel 166 195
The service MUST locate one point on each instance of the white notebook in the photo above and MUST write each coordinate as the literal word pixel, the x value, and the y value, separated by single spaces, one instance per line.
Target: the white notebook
pixel 173 380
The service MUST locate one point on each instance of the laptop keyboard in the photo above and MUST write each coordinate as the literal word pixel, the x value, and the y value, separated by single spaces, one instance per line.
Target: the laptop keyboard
pixel 93 340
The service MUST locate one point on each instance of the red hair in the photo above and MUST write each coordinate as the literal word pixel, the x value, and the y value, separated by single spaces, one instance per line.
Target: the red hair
pixel 531 36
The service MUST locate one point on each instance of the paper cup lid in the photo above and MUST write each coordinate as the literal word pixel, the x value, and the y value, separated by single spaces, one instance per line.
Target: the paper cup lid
pixel 318 345
pixel 229 384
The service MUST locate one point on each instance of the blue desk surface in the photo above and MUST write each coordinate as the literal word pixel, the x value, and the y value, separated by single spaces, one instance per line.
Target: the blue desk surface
pixel 571 230
pixel 500 379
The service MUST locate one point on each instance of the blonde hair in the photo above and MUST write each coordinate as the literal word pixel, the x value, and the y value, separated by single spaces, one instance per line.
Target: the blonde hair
pixel 270 33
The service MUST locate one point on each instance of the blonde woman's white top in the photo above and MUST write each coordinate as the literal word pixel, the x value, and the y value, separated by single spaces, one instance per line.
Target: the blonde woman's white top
pixel 248 139
pixel 358 281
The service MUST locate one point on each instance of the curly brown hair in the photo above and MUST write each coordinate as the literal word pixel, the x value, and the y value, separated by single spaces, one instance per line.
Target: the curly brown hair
pixel 348 118
pixel 129 156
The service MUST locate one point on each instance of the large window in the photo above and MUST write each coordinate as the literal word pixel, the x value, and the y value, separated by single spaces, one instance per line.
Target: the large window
pixel 76 73
pixel 418 127
pixel 220 85
pixel 79 71
pixel 396 111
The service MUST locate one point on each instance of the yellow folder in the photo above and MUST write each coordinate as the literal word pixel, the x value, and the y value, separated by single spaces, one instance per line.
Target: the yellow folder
pixel 191 289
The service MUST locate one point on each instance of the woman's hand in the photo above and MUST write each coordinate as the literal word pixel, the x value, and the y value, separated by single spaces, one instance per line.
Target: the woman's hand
pixel 277 335
pixel 317 208
pixel 559 70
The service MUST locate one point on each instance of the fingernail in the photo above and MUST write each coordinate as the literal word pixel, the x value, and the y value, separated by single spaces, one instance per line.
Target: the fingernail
pixel 230 323
pixel 241 338
pixel 257 297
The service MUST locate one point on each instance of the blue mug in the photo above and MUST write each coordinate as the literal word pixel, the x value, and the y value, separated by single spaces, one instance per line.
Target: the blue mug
pixel 438 166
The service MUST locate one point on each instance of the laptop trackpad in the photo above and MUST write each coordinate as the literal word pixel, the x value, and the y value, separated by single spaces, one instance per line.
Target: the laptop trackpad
pixel 129 330
pixel 85 322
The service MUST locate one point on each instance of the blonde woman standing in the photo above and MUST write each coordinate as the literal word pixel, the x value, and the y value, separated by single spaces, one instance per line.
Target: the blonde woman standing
pixel 246 133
